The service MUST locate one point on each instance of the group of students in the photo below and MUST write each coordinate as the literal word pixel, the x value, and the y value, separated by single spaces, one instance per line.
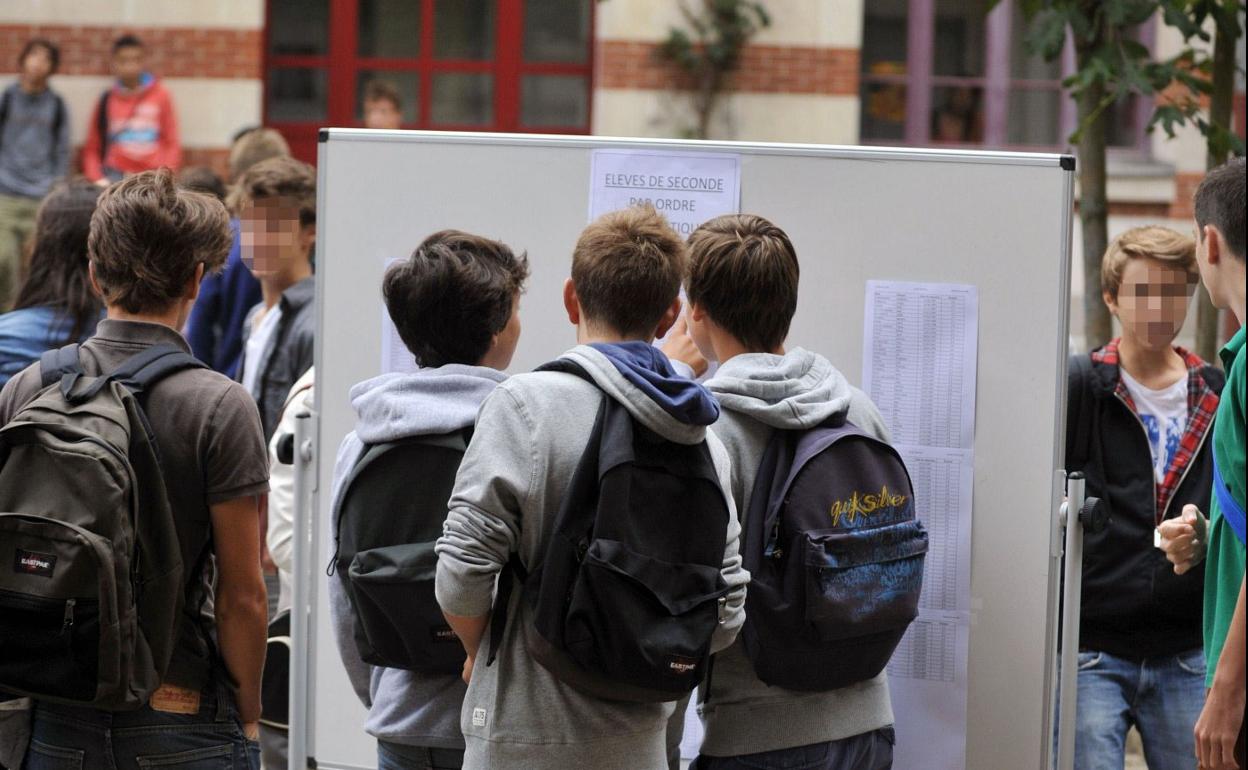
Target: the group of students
pixel 584 544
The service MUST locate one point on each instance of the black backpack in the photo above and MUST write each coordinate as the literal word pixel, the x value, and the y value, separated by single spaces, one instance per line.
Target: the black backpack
pixel 629 589
pixel 91 574
pixel 835 556
pixel 393 506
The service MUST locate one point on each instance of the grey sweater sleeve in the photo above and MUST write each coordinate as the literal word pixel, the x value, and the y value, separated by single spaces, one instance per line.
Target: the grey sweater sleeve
pixel 734 575
pixel 483 526
pixel 864 414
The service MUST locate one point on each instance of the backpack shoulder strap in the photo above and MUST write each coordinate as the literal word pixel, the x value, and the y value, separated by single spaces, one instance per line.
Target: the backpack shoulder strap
pixel 567 367
pixel 58 120
pixel 4 111
pixel 55 364
pixel 143 370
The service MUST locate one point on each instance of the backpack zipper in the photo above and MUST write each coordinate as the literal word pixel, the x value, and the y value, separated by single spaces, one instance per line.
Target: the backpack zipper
pixel 68 622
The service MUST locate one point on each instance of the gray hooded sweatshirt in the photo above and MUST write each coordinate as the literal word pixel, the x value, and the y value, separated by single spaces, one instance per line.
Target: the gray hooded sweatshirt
pixel 528 441
pixel 759 393
pixel 403 706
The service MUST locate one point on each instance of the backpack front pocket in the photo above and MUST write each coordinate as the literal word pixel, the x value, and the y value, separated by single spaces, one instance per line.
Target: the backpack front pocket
pixel 863 582
pixel 398 612
pixel 58 614
pixel 641 620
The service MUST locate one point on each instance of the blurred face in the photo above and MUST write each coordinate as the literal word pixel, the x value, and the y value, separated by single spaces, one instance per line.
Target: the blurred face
pixel 271 237
pixel 128 65
pixel 381 113
pixel 37 65
pixel 1152 301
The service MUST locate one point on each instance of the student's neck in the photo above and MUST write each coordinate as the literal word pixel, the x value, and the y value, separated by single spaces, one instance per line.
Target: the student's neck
pixel 1154 368
pixel 271 288
pixel 31 86
pixel 171 317
pixel 728 347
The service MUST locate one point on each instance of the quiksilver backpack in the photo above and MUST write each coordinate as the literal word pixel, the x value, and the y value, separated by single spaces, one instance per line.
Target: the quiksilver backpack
pixel 835 555
pixel 392 508
pixel 91 574
pixel 629 589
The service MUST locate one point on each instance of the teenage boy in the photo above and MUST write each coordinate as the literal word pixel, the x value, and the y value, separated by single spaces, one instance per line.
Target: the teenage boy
pixel 383 107
pixel 455 304
pixel 276 203
pixel 742 290
pixel 626 273
pixel 134 126
pixel 1140 412
pixel 215 328
pixel 34 153
pixel 1220 253
pixel 150 244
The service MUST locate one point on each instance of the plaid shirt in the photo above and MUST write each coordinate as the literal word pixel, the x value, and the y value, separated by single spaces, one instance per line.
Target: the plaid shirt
pixel 1202 404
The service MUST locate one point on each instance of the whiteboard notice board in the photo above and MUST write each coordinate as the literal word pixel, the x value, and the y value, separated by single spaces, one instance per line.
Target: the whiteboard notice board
pixel 998 221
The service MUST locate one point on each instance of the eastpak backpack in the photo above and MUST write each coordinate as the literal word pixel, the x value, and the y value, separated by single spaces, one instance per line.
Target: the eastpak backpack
pixel 835 555
pixel 91 573
pixel 629 589
pixel 392 508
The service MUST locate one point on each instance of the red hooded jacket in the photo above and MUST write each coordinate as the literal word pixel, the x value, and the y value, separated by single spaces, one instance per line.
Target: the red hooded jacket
pixel 142 132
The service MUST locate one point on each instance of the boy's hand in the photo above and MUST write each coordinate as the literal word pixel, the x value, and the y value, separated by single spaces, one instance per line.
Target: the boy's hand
pixel 1183 539
pixel 1218 728
pixel 680 347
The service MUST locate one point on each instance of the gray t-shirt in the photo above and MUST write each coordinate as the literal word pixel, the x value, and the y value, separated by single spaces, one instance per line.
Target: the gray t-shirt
pixel 212 450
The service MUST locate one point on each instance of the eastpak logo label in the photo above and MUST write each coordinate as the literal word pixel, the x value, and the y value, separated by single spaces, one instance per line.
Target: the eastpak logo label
pixel 682 666
pixel 33 563
pixel 478 717
pixel 443 634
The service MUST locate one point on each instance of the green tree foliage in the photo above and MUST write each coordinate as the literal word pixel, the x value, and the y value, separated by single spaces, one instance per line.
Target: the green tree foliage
pixel 708 49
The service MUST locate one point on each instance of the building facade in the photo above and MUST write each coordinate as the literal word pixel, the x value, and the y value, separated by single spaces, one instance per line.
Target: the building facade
pixel 885 72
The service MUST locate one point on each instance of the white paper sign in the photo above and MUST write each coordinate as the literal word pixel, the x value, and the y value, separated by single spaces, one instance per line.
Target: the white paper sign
pixel 395 357
pixel 687 188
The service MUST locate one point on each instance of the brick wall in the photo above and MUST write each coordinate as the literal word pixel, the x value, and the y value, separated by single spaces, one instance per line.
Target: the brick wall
pixel 172 51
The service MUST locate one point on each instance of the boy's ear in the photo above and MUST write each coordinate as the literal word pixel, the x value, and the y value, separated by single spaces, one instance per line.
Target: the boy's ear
pixel 307 237
pixel 697 312
pixel 1110 302
pixel 95 284
pixel 192 287
pixel 1213 245
pixel 571 302
pixel 669 318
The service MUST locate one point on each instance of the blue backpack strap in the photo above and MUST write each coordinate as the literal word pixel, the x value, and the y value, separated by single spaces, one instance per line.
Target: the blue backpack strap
pixel 1232 511
pixel 55 364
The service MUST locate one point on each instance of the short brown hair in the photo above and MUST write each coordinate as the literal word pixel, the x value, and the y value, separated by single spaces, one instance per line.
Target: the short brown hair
pixel 1219 201
pixel 253 146
pixel 627 267
pixel 202 179
pixel 47 46
pixel 1160 243
pixel 452 295
pixel 743 271
pixel 148 235
pixel 281 177
pixel 383 90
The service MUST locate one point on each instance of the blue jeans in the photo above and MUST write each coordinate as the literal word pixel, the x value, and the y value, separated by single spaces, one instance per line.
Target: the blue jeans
pixel 75 738
pixel 868 751
pixel 396 756
pixel 1162 697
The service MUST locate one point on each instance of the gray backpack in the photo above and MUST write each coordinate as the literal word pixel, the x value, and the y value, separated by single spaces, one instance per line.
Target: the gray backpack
pixel 91 577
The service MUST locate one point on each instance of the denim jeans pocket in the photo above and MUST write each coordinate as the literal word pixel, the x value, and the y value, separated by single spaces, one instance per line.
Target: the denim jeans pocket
pixel 1192 662
pixel 1089 660
pixel 208 758
pixel 42 756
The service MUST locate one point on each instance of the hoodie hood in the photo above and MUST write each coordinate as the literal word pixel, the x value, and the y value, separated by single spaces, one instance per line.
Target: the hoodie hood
pixel 641 394
pixel 648 370
pixel 795 391
pixel 428 402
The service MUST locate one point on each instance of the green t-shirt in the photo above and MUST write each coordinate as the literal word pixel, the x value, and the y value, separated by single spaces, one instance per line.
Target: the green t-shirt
pixel 1224 565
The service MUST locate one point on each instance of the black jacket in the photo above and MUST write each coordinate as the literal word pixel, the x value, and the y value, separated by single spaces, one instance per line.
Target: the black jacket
pixel 1134 606
pixel 288 353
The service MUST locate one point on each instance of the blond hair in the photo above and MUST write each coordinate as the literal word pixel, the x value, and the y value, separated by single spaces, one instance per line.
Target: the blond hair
pixel 627 267
pixel 1152 241
pixel 254 146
